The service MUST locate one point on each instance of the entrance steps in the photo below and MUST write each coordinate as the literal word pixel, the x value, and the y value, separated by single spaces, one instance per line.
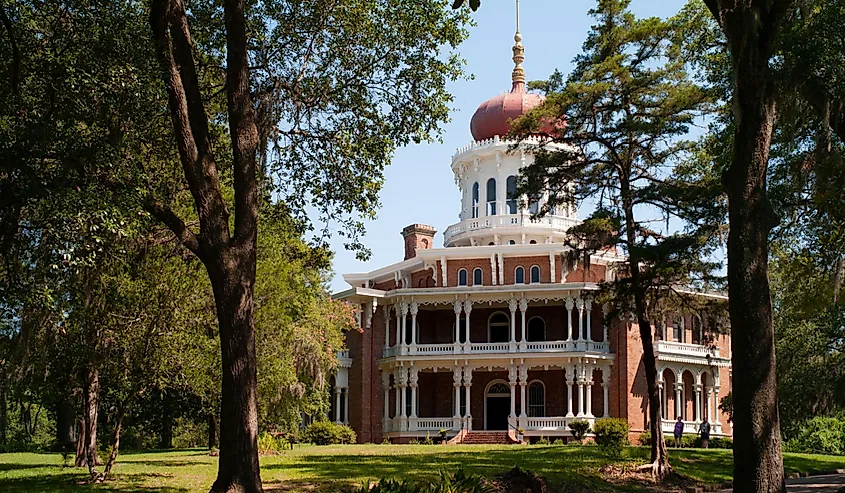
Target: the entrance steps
pixel 486 438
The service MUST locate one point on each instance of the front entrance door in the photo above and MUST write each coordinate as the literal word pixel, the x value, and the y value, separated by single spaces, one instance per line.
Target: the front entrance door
pixel 498 409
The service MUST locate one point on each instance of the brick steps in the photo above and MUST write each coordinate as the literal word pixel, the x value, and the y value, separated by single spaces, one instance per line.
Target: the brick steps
pixel 486 438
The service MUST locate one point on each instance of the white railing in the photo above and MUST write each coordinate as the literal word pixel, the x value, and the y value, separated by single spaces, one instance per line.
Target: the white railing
pixel 423 424
pixel 343 354
pixel 434 424
pixel 685 349
pixel 481 223
pixel 668 427
pixel 555 423
pixel 497 347
pixel 492 142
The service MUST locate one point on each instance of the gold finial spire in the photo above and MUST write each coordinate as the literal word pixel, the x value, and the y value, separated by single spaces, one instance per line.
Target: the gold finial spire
pixel 518 74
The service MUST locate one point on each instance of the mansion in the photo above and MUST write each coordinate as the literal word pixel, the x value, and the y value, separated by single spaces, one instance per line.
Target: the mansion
pixel 492 333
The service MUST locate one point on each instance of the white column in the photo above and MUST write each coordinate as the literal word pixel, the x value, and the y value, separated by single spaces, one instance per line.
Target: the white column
pixel 512 382
pixel 501 268
pixel 386 326
pixel 337 405
pixel 415 307
pixel 553 277
pixel 662 396
pixel 413 383
pixel 523 307
pixel 398 340
pixel 457 307
pixel 493 269
pixel 467 311
pixel 346 406
pixel 581 378
pixel 708 402
pixel 468 388
pixel 716 405
pixel 570 304
pixel 588 306
pixel 698 402
pixel 403 384
pixel 606 411
pixel 523 382
pixel 443 270
pixel 579 303
pixel 589 399
pixel 385 380
pixel 569 381
pixel 404 328
pixel 512 305
pixel 679 392
pixel 456 382
pixel 398 402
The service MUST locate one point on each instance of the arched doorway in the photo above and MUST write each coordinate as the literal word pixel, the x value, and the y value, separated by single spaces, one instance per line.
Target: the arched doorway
pixel 497 405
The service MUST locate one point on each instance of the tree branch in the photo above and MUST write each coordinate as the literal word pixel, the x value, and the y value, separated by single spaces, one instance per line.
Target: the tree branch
pixel 175 223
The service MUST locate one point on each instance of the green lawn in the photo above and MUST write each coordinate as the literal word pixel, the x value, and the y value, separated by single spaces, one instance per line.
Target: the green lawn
pixel 333 468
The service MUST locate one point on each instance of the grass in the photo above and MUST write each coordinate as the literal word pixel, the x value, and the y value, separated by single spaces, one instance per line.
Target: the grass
pixel 335 468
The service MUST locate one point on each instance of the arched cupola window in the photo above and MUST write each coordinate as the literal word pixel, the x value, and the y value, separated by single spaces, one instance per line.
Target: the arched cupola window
pixel 491 197
pixel 475 200
pixel 519 275
pixel 512 202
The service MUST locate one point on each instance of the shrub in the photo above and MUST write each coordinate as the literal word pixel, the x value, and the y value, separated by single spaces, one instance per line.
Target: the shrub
pixel 819 435
pixel 579 429
pixel 327 433
pixel 557 441
pixel 428 440
pixel 459 482
pixel 543 441
pixel 644 439
pixel 611 435
pixel 269 444
pixel 721 442
pixel 413 441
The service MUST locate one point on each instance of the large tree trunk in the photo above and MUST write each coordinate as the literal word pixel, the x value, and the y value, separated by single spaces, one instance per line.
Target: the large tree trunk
pixel 758 461
pixel 86 450
pixel 232 279
pixel 166 432
pixel 212 431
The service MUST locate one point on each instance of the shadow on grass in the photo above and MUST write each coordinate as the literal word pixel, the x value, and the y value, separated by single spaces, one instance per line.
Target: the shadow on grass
pixel 75 482
pixel 10 466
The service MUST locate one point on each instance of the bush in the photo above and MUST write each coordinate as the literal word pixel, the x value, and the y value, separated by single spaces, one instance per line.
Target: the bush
pixel 459 482
pixel 819 435
pixel 579 429
pixel 611 435
pixel 721 442
pixel 327 433
pixel 269 444
pixel 543 441
pixel 557 441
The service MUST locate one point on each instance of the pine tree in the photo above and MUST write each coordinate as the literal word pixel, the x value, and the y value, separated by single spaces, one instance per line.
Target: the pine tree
pixel 627 107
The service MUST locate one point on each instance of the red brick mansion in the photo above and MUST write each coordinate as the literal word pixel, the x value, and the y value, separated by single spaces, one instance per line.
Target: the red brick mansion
pixel 492 332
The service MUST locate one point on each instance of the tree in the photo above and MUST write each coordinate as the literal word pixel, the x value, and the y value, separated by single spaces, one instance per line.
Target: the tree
pixel 751 29
pixel 627 106
pixel 338 89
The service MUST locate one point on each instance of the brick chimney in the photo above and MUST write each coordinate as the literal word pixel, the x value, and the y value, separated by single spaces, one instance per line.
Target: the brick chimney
pixel 417 236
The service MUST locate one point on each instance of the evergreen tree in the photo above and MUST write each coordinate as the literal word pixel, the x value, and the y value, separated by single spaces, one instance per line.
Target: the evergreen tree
pixel 615 131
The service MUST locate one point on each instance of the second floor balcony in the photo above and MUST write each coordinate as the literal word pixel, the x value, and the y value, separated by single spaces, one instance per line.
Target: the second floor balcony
pixel 510 347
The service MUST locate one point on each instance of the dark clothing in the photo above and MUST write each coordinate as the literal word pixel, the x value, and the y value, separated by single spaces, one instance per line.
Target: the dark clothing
pixel 704 430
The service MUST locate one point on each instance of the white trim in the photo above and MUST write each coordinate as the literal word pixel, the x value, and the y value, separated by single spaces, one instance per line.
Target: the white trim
pixel 515 282
pixel 478 269
pixel 539 274
pixel 466 280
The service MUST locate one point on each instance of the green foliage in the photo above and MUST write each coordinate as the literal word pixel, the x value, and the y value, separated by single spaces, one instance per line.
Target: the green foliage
pixel 579 428
pixel 543 441
pixel 819 435
pixel 557 441
pixel 327 433
pixel 458 482
pixel 611 435
pixel 645 439
pixel 269 444
pixel 726 405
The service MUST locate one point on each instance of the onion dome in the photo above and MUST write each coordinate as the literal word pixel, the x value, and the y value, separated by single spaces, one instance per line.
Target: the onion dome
pixel 494 115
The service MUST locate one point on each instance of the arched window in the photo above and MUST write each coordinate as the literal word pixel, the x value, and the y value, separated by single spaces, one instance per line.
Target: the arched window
pixel 519 275
pixel 536 329
pixel 462 277
pixel 499 389
pixel 532 242
pixel 511 242
pixel 475 200
pixel 677 331
pixel 491 197
pixel 536 399
pixel 498 328
pixel 533 206
pixel 512 202
pixel 535 274
pixel 477 277
pixel 697 330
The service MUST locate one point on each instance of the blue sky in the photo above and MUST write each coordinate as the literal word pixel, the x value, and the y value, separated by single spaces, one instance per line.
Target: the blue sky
pixel 419 187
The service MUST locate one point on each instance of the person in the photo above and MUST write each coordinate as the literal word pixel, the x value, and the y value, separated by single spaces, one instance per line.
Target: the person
pixel 704 431
pixel 679 433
